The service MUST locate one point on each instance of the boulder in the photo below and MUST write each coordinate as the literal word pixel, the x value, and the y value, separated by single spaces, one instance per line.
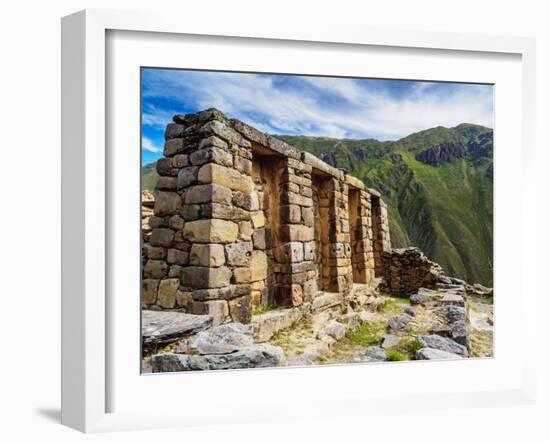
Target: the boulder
pixel 399 322
pixel 223 339
pixel 375 353
pixel 334 329
pixel 161 327
pixel 389 341
pixel 431 354
pixel 256 356
pixel 444 344
pixel 452 313
pixel 459 333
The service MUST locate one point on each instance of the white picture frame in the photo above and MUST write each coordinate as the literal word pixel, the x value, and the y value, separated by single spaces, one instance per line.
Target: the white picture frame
pixel 86 315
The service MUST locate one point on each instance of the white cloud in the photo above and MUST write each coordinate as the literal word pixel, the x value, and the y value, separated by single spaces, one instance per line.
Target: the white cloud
pixel 357 109
pixel 148 145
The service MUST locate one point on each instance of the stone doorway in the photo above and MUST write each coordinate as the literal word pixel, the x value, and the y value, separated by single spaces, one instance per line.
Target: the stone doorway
pixel 321 187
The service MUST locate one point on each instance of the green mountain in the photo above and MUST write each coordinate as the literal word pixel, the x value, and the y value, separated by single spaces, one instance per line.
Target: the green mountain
pixel 437 184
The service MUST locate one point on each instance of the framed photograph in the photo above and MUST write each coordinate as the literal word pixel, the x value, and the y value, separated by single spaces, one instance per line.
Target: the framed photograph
pixel 252 214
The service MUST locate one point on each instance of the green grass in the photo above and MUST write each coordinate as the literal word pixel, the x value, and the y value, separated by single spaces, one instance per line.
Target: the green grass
pixel 258 310
pixel 369 333
pixel 393 355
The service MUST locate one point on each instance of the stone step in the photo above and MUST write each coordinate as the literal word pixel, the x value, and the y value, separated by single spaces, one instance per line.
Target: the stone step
pixel 264 326
pixel 325 300
pixel 162 328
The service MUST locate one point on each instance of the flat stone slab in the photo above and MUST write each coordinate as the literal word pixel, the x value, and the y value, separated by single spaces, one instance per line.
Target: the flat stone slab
pixel 452 299
pixel 267 324
pixel 326 300
pixel 431 354
pixel 255 356
pixel 389 341
pixel 159 327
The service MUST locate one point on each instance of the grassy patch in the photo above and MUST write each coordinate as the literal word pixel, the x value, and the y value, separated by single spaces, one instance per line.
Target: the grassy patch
pixel 394 355
pixel 393 306
pixel 408 346
pixel 258 310
pixel 369 333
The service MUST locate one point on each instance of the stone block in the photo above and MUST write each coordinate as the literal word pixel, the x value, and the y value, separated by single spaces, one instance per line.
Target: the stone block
pixel 238 253
pixel 149 289
pixel 243 165
pixel 309 251
pixel 166 183
pixel 173 146
pixel 155 269
pixel 213 141
pixel 208 193
pixel 180 160
pixel 258 265
pixel 260 239
pixel 296 297
pixel 241 275
pixel 240 309
pixel 176 256
pixel 167 203
pixel 155 252
pixel 184 299
pixel 211 154
pixel 296 232
pixel 258 219
pixel 308 217
pixel 167 292
pixel 215 174
pixel 190 212
pixel 245 230
pixel 211 231
pixel 207 255
pixel 164 167
pixel 248 201
pixel 161 237
pixel 292 252
pixel 205 277
pixel 186 177
pixel 291 214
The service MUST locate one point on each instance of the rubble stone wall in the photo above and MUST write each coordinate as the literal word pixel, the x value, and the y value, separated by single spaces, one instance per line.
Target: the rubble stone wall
pixel 243 219
pixel 407 270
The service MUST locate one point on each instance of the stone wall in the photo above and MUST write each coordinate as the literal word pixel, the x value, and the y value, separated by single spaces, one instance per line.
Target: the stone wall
pixel 407 270
pixel 243 219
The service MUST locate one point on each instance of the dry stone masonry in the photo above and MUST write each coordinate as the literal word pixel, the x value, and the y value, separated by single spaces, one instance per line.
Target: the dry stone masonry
pixel 242 220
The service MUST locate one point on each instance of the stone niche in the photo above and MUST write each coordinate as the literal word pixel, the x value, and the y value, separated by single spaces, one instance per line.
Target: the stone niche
pixel 243 219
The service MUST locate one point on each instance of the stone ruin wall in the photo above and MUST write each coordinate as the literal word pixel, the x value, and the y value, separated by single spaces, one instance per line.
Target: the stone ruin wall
pixel 243 219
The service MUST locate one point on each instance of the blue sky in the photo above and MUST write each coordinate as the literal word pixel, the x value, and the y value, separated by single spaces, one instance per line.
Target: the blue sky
pixel 307 105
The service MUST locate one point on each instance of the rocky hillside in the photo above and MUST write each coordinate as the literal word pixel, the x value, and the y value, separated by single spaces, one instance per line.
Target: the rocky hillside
pixel 438 186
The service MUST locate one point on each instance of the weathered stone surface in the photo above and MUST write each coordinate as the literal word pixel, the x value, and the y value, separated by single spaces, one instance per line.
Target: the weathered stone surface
pixel 292 252
pixel 452 299
pixel 258 265
pixel 207 255
pixel 215 174
pixel 161 237
pixel 205 277
pixel 241 275
pixel 208 193
pixel 410 311
pixel 418 298
pixel 248 201
pixel 239 253
pixel 296 232
pixel 180 161
pixel 186 177
pixel 155 269
pixel 176 256
pixel 218 309
pixel 167 203
pixel 459 333
pixel 375 353
pixel 399 322
pixel 167 292
pixel 452 313
pixel 257 356
pixel 389 341
pixel 240 309
pixel 211 231
pixel 211 154
pixel 173 146
pixel 165 327
pixel 223 339
pixel 184 299
pixel 260 239
pixel 149 289
pixel 334 329
pixel 166 183
pixel 267 324
pixel 444 344
pixel 326 300
pixel 258 219
pixel 431 354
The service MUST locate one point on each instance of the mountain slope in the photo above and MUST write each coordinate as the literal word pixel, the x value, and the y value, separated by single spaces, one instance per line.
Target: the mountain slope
pixel 437 184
